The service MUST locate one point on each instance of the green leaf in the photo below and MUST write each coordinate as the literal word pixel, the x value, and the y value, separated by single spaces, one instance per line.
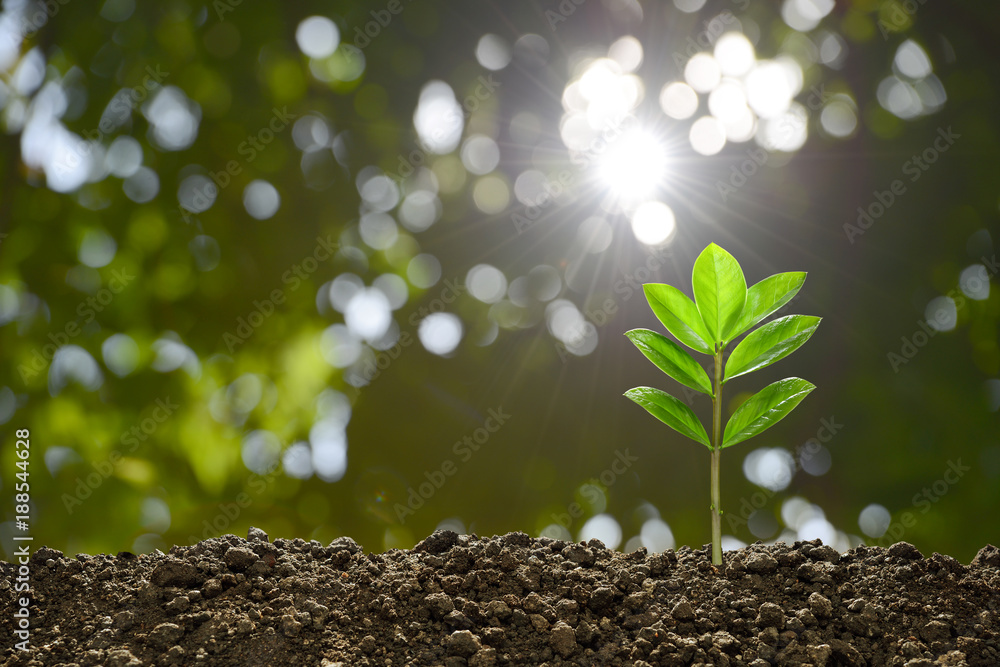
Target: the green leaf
pixel 773 341
pixel 671 412
pixel 765 409
pixel 720 290
pixel 671 358
pixel 679 315
pixel 766 297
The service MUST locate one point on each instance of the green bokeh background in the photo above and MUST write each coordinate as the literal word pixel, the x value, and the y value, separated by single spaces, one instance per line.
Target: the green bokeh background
pixel 901 426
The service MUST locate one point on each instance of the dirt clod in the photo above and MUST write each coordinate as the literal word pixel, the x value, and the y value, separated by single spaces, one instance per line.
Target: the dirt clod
pixel 761 563
pixel 771 616
pixel 683 611
pixel 463 643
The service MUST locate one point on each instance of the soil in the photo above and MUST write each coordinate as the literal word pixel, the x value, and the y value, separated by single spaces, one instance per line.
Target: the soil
pixel 509 600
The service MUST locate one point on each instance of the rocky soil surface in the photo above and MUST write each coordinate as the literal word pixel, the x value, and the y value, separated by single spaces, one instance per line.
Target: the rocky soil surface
pixel 510 600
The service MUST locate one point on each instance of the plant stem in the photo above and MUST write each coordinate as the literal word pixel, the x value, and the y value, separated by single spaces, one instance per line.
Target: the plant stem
pixel 716 455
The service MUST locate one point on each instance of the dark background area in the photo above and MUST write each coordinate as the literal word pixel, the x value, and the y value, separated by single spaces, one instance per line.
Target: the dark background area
pixel 201 471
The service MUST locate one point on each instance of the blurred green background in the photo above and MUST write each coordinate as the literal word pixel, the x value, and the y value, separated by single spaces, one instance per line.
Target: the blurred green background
pixel 363 268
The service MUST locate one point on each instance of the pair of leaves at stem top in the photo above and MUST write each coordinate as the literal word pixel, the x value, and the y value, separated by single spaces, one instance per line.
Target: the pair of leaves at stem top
pixel 723 309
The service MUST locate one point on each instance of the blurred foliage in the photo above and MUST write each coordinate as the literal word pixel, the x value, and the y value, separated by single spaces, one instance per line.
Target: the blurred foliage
pixel 145 441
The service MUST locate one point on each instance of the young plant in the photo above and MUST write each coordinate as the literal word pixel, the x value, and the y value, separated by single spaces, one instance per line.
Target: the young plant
pixel 722 310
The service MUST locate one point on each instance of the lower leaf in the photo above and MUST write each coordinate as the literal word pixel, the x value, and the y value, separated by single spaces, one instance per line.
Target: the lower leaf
pixel 765 409
pixel 671 412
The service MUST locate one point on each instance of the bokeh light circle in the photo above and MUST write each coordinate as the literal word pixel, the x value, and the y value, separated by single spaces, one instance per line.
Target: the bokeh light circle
pixel 653 223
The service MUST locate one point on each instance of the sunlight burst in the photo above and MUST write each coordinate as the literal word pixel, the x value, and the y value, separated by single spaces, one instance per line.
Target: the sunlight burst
pixel 634 165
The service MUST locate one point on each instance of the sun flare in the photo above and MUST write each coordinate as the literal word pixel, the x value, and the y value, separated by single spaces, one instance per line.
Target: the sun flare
pixel 633 166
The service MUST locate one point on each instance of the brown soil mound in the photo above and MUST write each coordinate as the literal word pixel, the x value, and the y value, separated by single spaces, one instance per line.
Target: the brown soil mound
pixel 511 600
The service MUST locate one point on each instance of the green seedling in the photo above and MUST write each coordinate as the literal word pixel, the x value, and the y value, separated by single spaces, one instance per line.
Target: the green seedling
pixel 723 309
